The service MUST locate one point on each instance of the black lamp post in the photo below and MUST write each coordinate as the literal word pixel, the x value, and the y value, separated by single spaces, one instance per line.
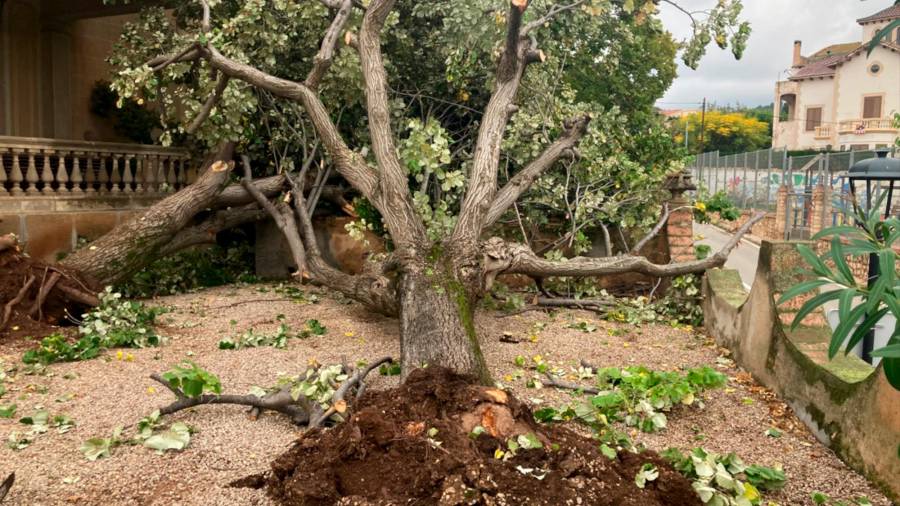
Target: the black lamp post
pixel 879 174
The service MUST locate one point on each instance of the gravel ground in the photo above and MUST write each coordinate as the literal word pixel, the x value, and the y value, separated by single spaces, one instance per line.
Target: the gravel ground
pixel 107 392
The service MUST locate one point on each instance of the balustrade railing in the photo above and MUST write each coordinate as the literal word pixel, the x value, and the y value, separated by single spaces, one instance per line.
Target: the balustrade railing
pixel 862 126
pixel 50 167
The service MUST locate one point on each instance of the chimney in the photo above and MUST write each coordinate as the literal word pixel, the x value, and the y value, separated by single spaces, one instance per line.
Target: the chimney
pixel 798 58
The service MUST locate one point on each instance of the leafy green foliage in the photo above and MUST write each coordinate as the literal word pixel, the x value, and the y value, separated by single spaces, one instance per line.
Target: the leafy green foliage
pixel 150 432
pixel 192 380
pixel 390 369
pixel 873 236
pixel 39 422
pixel 194 268
pixel 7 411
pixel 252 339
pixel 131 120
pixel 719 203
pixel 724 480
pixel 441 60
pixel 648 472
pixel 115 323
pixel 636 396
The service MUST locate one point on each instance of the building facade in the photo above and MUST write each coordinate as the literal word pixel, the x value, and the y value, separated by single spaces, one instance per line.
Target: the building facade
pixel 52 54
pixel 842 98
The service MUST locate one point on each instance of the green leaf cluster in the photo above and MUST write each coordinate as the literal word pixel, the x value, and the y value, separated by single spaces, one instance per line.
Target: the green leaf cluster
pixel 115 323
pixel 873 236
pixel 192 380
pixel 724 480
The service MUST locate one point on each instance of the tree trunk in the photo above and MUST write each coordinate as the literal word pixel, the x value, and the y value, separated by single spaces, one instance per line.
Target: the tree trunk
pixel 139 241
pixel 437 325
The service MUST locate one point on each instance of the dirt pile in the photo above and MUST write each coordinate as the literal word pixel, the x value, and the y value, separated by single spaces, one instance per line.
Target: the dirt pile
pixel 24 282
pixel 417 444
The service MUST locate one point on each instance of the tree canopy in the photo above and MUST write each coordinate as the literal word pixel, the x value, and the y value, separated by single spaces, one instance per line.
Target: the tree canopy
pixel 726 132
pixel 609 59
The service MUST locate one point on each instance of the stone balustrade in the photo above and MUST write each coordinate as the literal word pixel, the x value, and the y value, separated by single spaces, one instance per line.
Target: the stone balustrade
pixel 54 193
pixel 51 167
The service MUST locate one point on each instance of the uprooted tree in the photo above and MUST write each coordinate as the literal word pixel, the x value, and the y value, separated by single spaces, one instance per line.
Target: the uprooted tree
pixel 436 271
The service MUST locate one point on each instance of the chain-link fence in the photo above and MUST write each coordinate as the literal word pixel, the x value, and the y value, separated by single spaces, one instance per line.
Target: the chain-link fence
pixel 751 180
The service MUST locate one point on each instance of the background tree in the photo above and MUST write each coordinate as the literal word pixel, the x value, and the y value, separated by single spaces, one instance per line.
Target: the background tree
pixel 727 132
pixel 430 166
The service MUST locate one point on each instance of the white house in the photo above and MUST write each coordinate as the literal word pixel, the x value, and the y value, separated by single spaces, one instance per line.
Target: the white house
pixel 839 97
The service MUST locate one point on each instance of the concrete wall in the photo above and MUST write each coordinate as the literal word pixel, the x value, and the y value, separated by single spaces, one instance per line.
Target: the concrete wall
pixel 846 403
pixel 51 226
pixel 814 93
pixel 47 70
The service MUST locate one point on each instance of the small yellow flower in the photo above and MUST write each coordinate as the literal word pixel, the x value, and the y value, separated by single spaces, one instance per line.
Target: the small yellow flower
pixel 508 378
pixel 700 206
pixel 140 101
pixel 498 453
pixel 533 338
pixel 348 334
pixel 129 358
pixel 119 355
pixel 151 390
pixel 537 359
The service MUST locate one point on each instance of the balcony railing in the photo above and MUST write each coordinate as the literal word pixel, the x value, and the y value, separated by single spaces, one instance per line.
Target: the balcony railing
pixel 823 132
pixel 50 167
pixel 864 126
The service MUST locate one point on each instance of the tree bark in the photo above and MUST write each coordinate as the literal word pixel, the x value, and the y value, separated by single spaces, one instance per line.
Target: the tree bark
pixel 437 324
pixel 141 240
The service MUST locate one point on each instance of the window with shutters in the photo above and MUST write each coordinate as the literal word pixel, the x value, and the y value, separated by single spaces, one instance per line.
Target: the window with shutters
pixel 872 107
pixel 813 118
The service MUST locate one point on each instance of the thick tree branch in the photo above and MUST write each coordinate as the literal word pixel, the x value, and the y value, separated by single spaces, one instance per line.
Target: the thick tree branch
pixel 375 291
pixel 483 177
pixel 520 260
pixel 654 231
pixel 236 195
pixel 281 214
pixel 206 231
pixel 113 256
pixel 348 164
pixel 325 56
pixel 404 224
pixel 211 102
pixel 521 182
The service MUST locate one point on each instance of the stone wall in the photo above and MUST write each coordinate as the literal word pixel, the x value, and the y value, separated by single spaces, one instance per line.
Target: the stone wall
pixel 50 226
pixel 847 404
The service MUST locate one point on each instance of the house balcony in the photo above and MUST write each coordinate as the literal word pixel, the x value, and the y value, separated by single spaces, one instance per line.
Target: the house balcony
pixel 867 126
pixel 823 132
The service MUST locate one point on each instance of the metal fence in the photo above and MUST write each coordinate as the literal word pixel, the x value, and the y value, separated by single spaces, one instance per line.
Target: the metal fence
pixel 751 180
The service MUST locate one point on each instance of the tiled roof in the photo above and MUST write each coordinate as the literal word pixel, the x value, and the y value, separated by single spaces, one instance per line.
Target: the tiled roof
pixel 889 13
pixel 826 66
pixel 820 68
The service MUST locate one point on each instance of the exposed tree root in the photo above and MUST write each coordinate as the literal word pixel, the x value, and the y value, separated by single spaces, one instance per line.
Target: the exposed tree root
pixel 302 411
pixel 7 484
pixel 46 286
pixel 7 310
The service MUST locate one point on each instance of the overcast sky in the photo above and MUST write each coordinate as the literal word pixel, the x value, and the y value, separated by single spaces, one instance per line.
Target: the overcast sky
pixel 776 24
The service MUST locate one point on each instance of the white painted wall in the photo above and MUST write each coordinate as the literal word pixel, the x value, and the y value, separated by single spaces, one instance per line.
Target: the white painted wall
pixel 814 93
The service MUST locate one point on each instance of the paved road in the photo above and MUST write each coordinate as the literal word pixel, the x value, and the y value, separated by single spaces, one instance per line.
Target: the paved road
pixel 743 258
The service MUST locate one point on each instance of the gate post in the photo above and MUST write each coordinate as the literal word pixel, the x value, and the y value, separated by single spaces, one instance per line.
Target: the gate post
pixel 680 226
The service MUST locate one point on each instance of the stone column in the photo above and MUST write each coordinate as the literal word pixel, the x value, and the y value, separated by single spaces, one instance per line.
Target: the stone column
pixel 820 212
pixel 680 227
pixel 781 202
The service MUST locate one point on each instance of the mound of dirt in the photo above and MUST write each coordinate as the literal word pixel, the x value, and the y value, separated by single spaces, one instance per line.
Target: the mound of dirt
pixel 415 445
pixel 21 280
